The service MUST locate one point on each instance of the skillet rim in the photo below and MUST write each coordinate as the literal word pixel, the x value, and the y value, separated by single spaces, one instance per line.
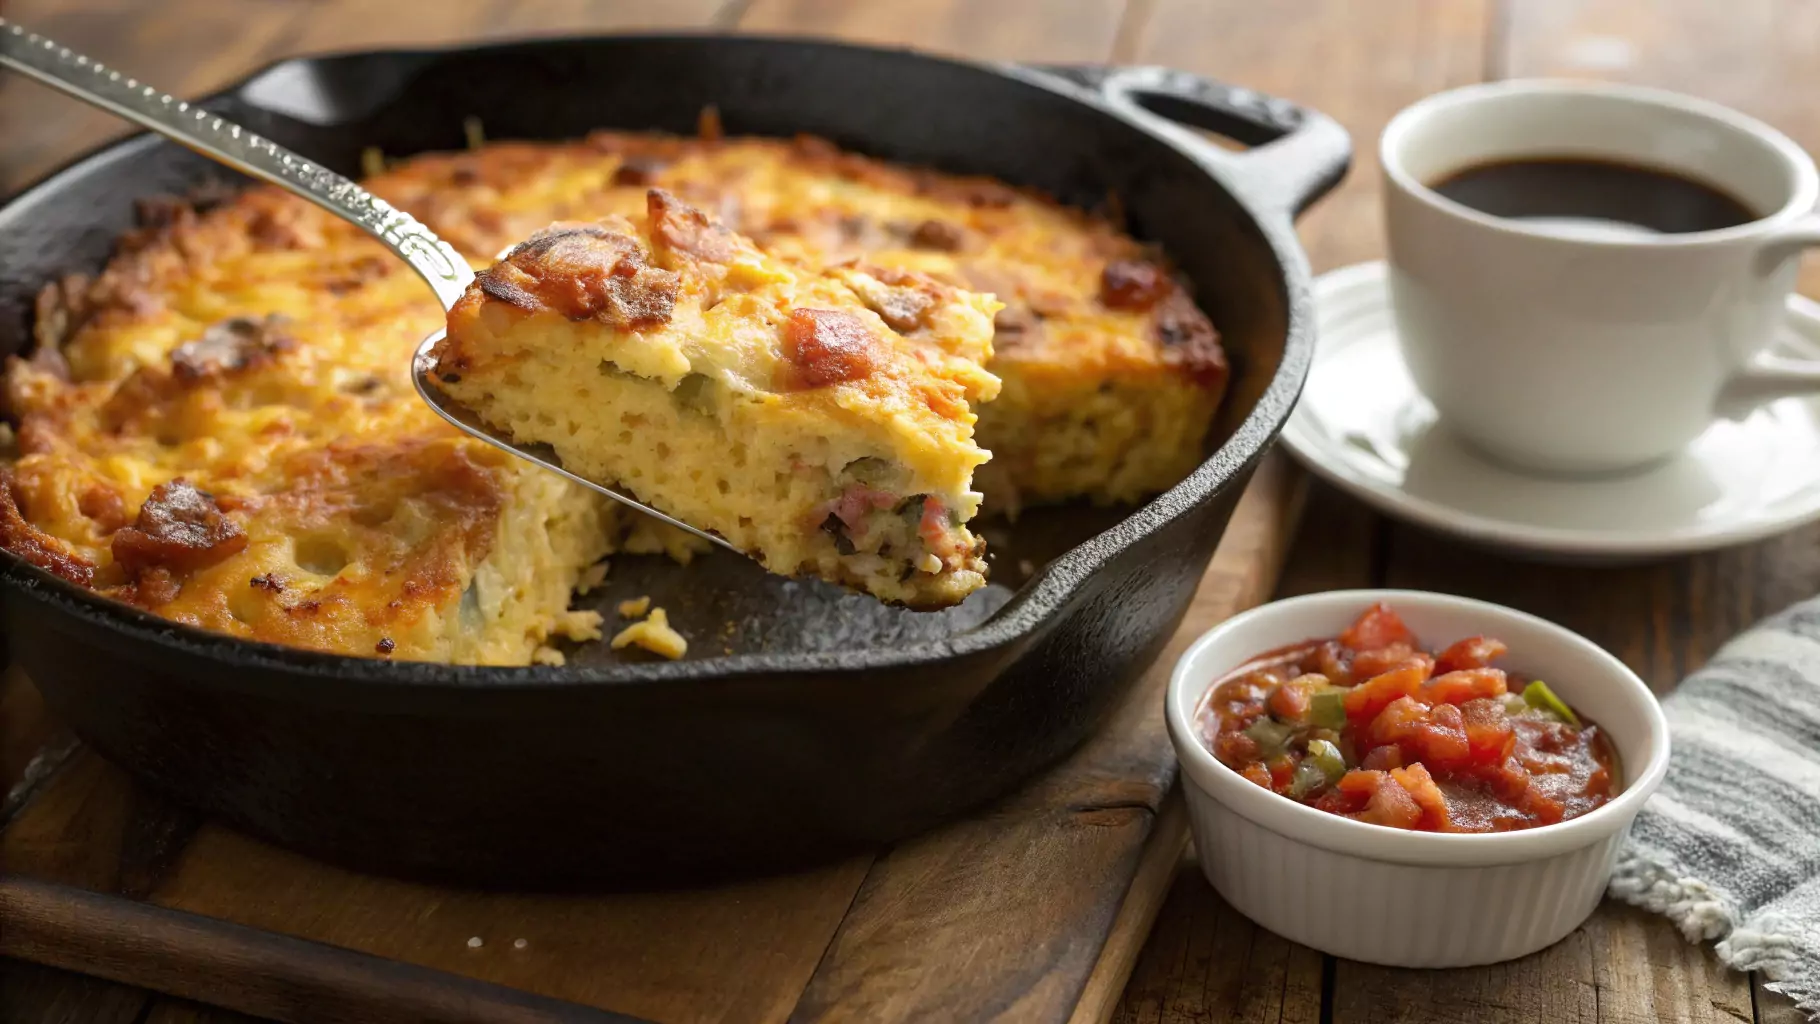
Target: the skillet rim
pixel 1019 620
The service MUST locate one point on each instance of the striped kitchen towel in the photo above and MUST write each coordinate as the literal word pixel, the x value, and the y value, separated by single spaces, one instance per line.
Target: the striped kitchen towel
pixel 1729 847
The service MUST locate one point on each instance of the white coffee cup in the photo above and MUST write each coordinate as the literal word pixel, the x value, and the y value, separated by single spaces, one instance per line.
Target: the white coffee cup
pixel 1577 348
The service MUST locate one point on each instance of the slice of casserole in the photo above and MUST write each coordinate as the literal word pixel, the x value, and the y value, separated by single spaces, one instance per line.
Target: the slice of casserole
pixel 819 419
pixel 1111 374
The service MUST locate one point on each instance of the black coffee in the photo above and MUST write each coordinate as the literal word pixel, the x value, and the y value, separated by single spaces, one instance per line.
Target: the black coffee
pixel 1583 189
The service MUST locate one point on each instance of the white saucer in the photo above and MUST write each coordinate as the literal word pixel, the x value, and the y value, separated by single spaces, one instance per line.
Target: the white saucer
pixel 1362 425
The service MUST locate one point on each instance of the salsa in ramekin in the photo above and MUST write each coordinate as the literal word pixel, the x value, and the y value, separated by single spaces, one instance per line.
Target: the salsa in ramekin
pixel 1370 726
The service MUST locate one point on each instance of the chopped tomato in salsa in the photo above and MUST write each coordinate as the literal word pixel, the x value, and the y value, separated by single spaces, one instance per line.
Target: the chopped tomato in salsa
pixel 1371 726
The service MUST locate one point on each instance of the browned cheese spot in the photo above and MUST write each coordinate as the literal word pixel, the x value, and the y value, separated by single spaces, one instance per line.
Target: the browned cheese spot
pixel 938 235
pixel 1189 340
pixel 677 227
pixel 584 273
pixel 231 346
pixel 34 545
pixel 829 347
pixel 1133 285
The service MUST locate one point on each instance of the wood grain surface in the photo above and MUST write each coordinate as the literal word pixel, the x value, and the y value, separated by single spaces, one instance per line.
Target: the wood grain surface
pixel 1005 913
pixel 128 940
pixel 1203 962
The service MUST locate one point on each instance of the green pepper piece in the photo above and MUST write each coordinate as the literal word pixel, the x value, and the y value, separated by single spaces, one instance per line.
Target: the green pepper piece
pixel 1538 695
pixel 1327 709
pixel 1308 777
pixel 1322 766
pixel 1326 756
pixel 1271 736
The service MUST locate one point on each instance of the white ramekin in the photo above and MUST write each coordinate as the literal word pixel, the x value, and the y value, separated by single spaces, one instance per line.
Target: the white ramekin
pixel 1412 899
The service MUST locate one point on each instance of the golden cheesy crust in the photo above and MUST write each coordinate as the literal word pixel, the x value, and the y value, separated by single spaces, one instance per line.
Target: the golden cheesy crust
pixel 819 418
pixel 258 349
pixel 1111 375
pixel 220 428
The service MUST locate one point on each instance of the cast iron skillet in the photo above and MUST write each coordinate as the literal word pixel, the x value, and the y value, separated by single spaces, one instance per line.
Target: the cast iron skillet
pixel 807 721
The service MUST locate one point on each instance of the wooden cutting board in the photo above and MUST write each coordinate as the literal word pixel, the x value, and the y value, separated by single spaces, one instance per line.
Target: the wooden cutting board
pixel 1034 908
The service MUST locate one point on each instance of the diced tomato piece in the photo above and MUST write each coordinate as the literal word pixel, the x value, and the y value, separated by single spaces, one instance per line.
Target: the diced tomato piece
pixel 1546 809
pixel 1443 743
pixel 1235 749
pixel 1421 788
pixel 1240 691
pixel 1462 685
pixel 1364 701
pixel 1366 664
pixel 1401 719
pixel 1236 692
pixel 1598 782
pixel 1257 773
pixel 1435 735
pixel 1509 780
pixel 1472 652
pixel 1384 758
pixel 1359 782
pixel 1282 769
pixel 1332 661
pixel 1488 731
pixel 1390 804
pixel 1289 701
pixel 1334 800
pixel 1378 627
pixel 1550 737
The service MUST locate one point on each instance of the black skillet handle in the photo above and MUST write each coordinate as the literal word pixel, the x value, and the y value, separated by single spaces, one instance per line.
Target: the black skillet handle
pixel 1298 155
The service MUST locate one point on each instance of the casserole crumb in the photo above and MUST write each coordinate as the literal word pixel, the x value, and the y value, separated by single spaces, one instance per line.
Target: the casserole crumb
pixel 653 634
pixel 591 578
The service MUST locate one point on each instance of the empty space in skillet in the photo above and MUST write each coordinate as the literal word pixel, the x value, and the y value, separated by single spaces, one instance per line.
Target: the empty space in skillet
pixel 726 604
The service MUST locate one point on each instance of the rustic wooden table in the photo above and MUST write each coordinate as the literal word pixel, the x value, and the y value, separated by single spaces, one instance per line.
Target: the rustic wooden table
pixel 1359 62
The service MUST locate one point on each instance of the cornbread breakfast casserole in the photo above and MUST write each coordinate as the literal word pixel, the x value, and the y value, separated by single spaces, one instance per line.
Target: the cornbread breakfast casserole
pixel 771 403
pixel 220 427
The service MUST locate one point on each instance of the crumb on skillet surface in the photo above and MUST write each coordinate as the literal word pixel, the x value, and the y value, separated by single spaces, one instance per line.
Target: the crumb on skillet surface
pixel 653 634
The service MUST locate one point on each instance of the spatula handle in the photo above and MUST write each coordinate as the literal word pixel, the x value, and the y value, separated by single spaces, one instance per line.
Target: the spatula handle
pixel 219 139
